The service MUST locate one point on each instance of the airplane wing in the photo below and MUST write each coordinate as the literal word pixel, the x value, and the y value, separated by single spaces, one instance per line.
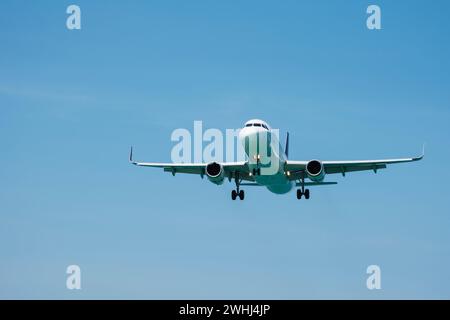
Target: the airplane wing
pixel 230 168
pixel 349 166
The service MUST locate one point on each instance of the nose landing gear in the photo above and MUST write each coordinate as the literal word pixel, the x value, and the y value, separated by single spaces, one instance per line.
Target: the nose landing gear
pixel 257 171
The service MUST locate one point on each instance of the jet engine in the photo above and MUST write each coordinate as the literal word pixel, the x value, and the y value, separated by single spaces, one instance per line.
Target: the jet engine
pixel 215 173
pixel 315 170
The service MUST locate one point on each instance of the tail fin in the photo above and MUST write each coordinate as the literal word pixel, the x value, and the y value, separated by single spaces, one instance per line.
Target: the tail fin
pixel 286 149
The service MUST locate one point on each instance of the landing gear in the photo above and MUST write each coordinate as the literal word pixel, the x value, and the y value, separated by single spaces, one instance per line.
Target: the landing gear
pixel 303 191
pixel 256 172
pixel 237 193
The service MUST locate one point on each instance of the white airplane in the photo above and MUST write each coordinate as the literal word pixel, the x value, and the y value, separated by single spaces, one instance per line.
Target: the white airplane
pixel 279 174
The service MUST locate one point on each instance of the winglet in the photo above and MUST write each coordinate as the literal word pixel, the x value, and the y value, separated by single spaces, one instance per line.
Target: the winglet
pixel 286 150
pixel 422 155
pixel 131 155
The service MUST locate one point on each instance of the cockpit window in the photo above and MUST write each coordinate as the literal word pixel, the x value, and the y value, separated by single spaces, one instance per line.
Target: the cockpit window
pixel 257 125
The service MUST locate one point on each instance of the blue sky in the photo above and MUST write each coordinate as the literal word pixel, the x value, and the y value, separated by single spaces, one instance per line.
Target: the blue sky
pixel 72 102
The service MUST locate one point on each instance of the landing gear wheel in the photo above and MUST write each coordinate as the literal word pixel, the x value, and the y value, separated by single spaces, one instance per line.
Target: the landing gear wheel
pixel 256 172
pixel 307 194
pixel 233 195
pixel 299 194
pixel 241 194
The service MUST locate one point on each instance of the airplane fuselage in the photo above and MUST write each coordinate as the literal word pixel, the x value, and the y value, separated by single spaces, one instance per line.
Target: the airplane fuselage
pixel 264 151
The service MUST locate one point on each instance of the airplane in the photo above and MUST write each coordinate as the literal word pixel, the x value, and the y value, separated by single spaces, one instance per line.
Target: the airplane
pixel 281 175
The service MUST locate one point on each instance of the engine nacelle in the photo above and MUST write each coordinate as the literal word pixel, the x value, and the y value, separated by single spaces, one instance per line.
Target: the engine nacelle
pixel 215 173
pixel 315 170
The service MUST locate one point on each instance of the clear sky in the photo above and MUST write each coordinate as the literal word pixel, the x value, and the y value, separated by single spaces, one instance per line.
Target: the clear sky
pixel 72 103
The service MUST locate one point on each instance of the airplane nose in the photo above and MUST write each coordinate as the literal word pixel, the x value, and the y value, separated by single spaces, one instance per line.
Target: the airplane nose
pixel 248 133
pixel 251 132
pixel 254 138
pixel 244 132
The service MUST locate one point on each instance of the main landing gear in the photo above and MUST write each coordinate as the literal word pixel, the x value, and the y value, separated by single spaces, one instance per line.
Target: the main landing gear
pixel 303 192
pixel 237 193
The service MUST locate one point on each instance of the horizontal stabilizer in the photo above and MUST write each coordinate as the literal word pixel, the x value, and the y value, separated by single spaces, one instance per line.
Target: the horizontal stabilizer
pixel 309 184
